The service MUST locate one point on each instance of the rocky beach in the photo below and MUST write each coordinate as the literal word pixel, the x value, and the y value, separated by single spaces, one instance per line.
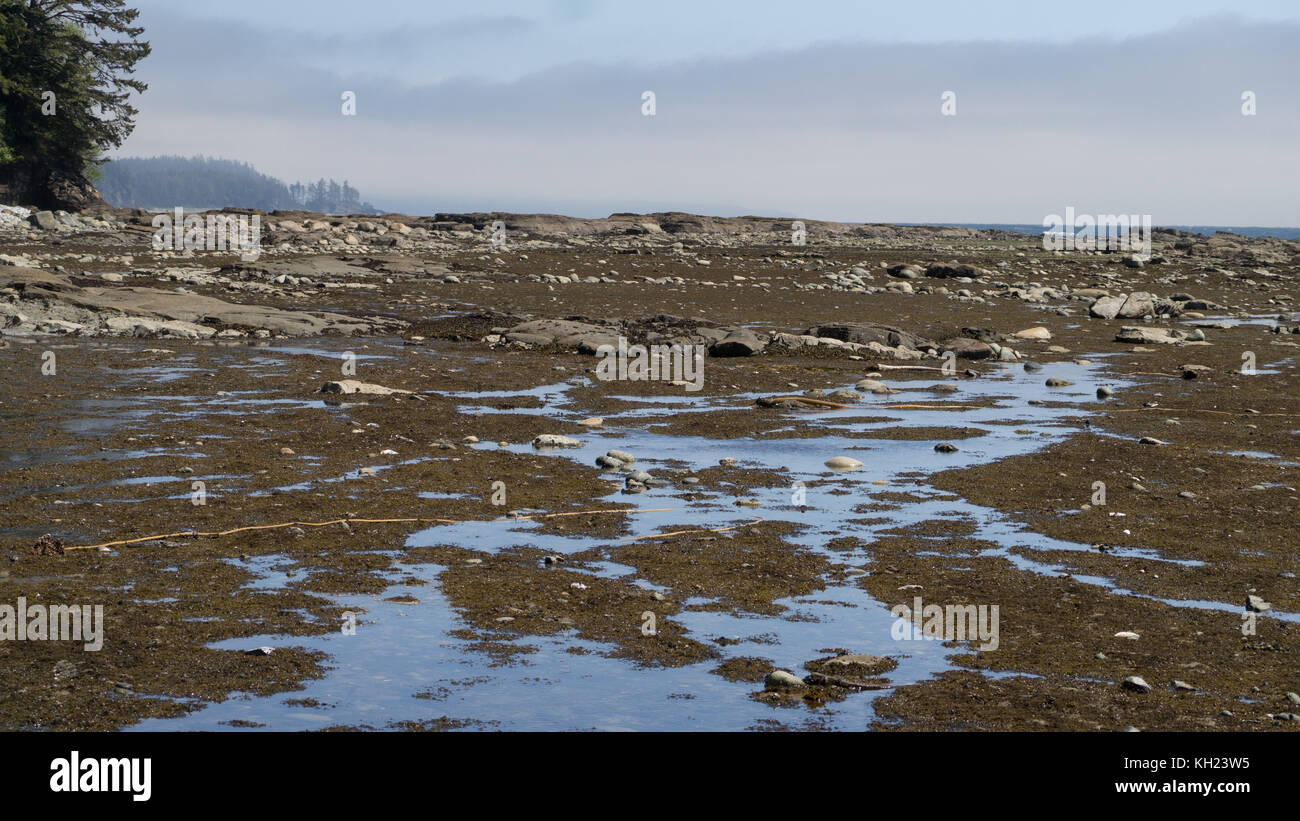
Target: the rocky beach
pixel 375 478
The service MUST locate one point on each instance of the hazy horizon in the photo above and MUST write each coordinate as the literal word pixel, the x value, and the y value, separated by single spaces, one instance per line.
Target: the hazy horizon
pixel 829 111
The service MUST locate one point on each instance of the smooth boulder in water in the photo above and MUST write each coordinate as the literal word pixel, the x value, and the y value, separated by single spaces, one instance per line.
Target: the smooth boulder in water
pixel 782 679
pixel 555 440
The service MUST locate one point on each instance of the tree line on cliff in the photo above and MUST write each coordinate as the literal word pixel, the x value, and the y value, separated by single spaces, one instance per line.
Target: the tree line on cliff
pixel 209 182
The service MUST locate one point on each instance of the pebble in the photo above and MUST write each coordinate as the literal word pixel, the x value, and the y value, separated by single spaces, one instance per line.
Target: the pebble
pixel 1257 604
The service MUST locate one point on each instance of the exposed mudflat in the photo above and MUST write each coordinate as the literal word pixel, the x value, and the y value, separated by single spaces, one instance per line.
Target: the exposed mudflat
pixel 666 601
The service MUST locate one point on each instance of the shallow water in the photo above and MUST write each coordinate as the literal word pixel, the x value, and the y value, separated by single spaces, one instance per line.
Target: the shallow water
pixel 401 650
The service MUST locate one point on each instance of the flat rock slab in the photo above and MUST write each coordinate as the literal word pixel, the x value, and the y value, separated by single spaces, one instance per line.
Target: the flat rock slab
pixel 348 386
pixel 1155 336
pixel 567 332
pixel 134 311
pixel 857 665
pixel 864 333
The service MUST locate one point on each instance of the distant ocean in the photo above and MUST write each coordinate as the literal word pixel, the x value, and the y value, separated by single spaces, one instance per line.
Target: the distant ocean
pixel 1037 230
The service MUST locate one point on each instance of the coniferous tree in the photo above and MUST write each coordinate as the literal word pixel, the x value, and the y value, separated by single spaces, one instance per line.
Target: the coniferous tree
pixel 65 89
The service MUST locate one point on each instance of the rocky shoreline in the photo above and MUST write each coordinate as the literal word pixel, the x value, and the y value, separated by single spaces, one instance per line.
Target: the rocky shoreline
pixel 1171 379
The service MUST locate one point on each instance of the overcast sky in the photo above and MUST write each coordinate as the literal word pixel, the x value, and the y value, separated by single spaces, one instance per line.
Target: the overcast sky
pixel 823 110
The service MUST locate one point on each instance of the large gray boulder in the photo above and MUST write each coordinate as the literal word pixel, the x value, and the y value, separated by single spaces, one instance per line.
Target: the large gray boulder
pixel 967 348
pixel 1138 305
pixel 740 342
pixel 1106 307
pixel 941 271
pixel 568 333
pixel 44 220
pixel 1154 336
pixel 905 271
pixel 863 333
pixel 1133 306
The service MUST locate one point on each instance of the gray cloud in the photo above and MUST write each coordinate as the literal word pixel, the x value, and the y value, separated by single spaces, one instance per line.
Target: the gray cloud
pixel 851 131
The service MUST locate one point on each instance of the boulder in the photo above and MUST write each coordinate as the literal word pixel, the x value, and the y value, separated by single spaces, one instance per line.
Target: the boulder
pixel 1037 332
pixel 1155 336
pixel 864 333
pixel 905 271
pixel 843 463
pixel 44 220
pixel 350 386
pixel 555 440
pixel 942 271
pixel 966 348
pixel 779 679
pixel 557 331
pixel 740 342
pixel 1106 307
pixel 1138 305
pixel 873 386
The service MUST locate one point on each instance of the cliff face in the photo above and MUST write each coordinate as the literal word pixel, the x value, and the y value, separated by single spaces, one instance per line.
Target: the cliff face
pixel 50 190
